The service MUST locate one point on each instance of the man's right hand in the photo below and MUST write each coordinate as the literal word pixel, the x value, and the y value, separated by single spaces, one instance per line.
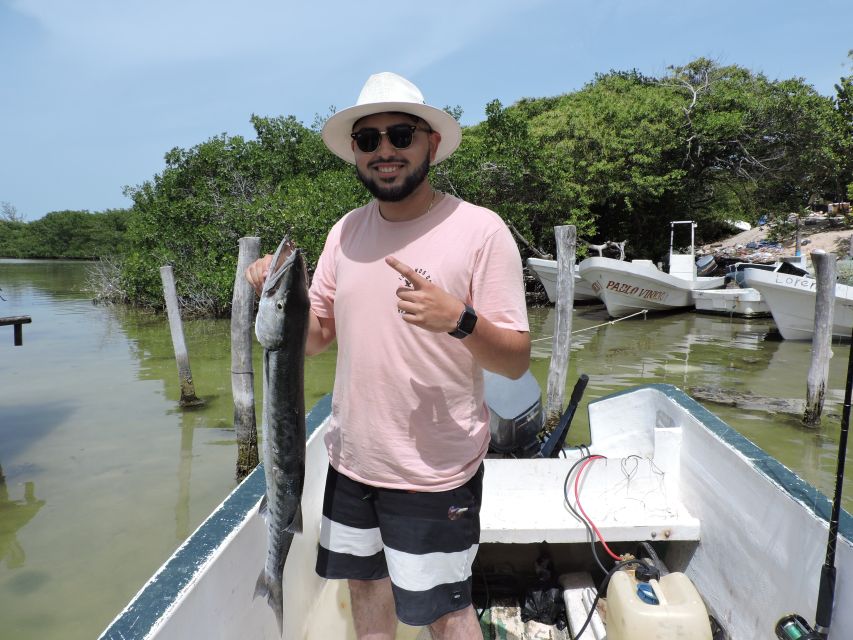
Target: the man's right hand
pixel 257 272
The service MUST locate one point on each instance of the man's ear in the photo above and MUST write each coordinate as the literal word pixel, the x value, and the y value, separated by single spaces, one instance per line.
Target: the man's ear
pixel 434 141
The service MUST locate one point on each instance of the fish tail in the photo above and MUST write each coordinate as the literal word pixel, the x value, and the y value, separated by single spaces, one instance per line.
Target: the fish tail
pixel 272 591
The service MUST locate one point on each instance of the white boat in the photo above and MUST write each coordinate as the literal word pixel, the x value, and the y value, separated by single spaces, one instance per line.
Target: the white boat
pixel 791 299
pixel 546 271
pixel 793 265
pixel 747 533
pixel 740 302
pixel 630 287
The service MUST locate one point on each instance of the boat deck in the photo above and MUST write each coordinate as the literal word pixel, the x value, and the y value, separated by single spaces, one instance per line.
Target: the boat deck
pixel 628 498
pixel 501 621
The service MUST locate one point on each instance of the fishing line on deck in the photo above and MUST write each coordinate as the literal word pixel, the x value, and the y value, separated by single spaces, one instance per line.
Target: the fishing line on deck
pixel 598 326
pixel 628 470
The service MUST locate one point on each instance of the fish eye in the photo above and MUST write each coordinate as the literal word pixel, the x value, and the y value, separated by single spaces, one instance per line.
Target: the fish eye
pixel 279 305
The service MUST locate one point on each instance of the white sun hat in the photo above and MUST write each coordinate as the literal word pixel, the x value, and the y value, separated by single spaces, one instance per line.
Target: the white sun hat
pixel 386 92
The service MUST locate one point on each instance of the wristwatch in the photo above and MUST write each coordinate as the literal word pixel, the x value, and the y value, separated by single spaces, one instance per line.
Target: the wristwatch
pixel 465 324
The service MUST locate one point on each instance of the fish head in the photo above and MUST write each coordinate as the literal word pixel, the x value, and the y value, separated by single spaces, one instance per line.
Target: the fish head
pixel 284 294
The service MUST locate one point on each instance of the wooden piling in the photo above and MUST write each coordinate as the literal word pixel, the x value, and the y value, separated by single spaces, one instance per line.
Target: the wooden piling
pixel 188 396
pixel 566 237
pixel 242 372
pixel 825 273
pixel 17 323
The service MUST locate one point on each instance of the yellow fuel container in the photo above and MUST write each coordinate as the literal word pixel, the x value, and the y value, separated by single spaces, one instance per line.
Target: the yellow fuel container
pixel 665 609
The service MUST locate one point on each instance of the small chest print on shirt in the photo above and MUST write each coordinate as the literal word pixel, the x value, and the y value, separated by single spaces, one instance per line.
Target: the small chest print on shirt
pixel 406 282
pixel 421 272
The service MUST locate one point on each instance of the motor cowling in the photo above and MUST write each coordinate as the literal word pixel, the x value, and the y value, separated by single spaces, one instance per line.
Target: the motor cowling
pixel 515 414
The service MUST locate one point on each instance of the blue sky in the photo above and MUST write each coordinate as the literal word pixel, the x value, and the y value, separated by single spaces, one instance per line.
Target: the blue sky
pixel 93 93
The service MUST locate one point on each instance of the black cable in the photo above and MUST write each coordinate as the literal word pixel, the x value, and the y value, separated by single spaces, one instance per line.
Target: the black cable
pixel 644 546
pixel 488 597
pixel 578 515
pixel 603 589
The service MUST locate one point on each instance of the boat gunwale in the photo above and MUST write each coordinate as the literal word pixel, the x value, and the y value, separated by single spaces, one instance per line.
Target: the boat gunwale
pixel 797 488
pixel 650 274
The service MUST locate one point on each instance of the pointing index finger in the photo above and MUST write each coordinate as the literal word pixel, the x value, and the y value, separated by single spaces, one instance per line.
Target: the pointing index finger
pixel 406 271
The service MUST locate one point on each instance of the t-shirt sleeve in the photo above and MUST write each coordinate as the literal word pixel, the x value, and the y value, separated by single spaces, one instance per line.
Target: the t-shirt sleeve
pixel 324 282
pixel 497 286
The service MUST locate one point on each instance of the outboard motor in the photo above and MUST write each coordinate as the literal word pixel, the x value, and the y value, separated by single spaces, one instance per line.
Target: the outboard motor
pixel 515 414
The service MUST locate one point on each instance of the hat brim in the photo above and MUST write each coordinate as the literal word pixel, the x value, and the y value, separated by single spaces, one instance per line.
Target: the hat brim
pixel 337 130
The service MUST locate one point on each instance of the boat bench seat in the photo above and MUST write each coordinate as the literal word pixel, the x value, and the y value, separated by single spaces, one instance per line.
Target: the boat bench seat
pixel 628 500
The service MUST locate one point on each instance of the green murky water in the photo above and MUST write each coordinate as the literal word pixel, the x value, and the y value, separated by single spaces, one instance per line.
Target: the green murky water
pixel 104 475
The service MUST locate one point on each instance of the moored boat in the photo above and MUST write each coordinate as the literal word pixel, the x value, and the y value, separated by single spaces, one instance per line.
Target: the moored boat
pixel 792 265
pixel 630 287
pixel 791 300
pixel 747 533
pixel 740 302
pixel 546 272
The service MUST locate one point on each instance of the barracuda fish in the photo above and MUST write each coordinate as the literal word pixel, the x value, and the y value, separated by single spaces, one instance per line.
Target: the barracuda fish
pixel 282 328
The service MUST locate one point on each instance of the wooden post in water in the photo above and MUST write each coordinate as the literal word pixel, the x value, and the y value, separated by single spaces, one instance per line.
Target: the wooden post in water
pixel 566 244
pixel 242 372
pixel 17 322
pixel 825 272
pixel 188 397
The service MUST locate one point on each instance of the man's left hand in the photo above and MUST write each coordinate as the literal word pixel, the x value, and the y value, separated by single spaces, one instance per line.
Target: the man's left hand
pixel 424 304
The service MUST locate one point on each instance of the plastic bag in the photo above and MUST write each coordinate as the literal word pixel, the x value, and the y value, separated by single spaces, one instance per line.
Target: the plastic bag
pixel 544 604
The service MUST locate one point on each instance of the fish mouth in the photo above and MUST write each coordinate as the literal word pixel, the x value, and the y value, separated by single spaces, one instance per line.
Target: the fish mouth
pixel 286 278
pixel 281 261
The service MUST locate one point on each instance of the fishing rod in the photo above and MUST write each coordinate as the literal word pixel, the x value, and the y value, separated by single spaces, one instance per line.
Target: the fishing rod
pixel 794 627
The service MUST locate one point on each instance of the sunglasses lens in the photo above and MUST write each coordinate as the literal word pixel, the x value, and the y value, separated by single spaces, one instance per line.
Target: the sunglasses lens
pixel 400 136
pixel 368 139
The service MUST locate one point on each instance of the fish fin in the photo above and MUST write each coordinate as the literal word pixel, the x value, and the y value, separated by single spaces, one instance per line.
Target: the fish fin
pixel 295 525
pixel 273 597
pixel 264 509
pixel 261 588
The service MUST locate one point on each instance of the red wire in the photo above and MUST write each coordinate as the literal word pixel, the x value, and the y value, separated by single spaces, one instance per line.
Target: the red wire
pixel 588 519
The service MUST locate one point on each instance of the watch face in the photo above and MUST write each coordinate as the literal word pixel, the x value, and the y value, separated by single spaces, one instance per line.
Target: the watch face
pixel 465 324
pixel 468 320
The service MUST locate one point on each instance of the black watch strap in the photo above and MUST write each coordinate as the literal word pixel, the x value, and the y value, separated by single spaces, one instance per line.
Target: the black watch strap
pixel 465 324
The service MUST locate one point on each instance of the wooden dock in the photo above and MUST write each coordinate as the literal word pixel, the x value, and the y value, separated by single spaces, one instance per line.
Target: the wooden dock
pixel 18 322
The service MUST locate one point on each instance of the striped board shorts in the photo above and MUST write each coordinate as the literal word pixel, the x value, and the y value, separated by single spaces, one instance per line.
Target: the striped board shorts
pixel 424 541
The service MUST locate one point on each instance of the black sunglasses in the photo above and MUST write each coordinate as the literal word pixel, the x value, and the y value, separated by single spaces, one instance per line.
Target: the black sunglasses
pixel 399 135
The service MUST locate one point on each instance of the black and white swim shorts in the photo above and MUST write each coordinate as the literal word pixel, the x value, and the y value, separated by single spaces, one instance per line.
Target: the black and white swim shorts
pixel 425 541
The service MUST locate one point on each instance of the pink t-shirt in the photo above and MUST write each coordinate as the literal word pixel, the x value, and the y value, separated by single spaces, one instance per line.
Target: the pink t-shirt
pixel 407 407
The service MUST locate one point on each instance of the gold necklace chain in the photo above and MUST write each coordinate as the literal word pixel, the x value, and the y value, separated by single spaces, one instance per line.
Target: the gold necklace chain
pixel 431 202
pixel 429 208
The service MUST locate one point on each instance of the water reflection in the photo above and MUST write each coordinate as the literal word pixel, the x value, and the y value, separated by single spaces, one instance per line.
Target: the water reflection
pixel 14 515
pixel 182 506
pixel 692 350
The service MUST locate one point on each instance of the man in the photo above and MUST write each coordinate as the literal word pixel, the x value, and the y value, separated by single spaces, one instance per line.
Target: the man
pixel 422 291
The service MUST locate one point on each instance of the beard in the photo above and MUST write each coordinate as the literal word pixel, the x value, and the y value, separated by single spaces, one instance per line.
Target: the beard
pixel 402 191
